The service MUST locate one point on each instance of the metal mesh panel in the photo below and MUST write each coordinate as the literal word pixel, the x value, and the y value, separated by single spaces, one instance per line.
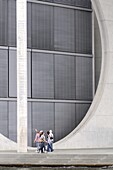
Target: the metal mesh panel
pixel 98 52
pixel 83 32
pixel 65 2
pixel 13 121
pixel 64 77
pixel 42 26
pixel 46 0
pixel 29 74
pixel 64 119
pixel 83 3
pixel 83 78
pixel 3 118
pixel 42 75
pixel 12 23
pixel 79 3
pixel 29 127
pixel 64 36
pixel 12 73
pixel 29 20
pixel 81 110
pixel 43 116
pixel 3 73
pixel 3 22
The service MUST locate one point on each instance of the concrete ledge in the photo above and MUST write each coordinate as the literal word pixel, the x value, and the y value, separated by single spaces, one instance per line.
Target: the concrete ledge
pixel 84 157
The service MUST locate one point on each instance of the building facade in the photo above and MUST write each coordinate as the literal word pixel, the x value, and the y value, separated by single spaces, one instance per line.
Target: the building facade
pixel 59 64
pixel 63 73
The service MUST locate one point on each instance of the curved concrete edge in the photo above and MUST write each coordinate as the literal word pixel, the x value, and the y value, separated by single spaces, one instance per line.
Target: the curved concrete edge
pixel 7 144
pixel 96 129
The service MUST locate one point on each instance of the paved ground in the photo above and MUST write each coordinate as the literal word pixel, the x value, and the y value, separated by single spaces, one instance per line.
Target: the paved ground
pixel 77 157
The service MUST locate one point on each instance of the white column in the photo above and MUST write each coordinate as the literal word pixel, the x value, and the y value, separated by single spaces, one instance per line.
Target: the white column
pixel 21 76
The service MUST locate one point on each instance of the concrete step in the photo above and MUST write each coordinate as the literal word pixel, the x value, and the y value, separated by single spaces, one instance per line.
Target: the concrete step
pixel 55 159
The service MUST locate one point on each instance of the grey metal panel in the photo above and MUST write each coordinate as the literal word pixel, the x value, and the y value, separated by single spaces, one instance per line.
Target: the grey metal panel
pixel 83 78
pixel 66 2
pixel 3 73
pixel 12 73
pixel 42 75
pixel 29 126
pixel 12 23
pixel 29 20
pixel 98 62
pixel 3 22
pixel 64 77
pixel 3 118
pixel 29 74
pixel 81 110
pixel 64 36
pixel 43 116
pixel 79 3
pixel 42 26
pixel 83 3
pixel 64 119
pixel 13 121
pixel 83 32
pixel 47 0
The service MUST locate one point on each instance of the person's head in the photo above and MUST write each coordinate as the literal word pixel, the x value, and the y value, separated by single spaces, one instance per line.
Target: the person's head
pixel 41 132
pixel 48 132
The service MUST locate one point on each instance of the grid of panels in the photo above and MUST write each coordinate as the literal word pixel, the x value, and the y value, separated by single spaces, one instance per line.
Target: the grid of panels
pixel 43 116
pixel 13 74
pixel 42 26
pixel 64 77
pixel 64 119
pixel 54 76
pixel 84 78
pixel 3 73
pixel 64 35
pixel 3 118
pixel 83 33
pixel 29 127
pixel 42 75
pixel 48 27
pixel 49 75
pixel 29 24
pixel 11 23
pixel 12 121
pixel 3 22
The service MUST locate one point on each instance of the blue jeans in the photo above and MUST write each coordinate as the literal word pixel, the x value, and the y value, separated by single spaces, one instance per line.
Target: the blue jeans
pixel 42 147
pixel 50 147
pixel 37 145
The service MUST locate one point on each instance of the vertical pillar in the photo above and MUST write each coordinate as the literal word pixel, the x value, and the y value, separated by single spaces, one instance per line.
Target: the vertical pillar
pixel 21 76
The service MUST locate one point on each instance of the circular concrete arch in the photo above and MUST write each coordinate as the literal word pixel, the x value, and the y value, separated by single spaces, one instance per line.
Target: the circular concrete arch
pixel 96 129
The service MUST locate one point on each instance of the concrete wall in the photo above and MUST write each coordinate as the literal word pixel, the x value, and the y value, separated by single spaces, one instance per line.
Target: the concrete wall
pixel 96 129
